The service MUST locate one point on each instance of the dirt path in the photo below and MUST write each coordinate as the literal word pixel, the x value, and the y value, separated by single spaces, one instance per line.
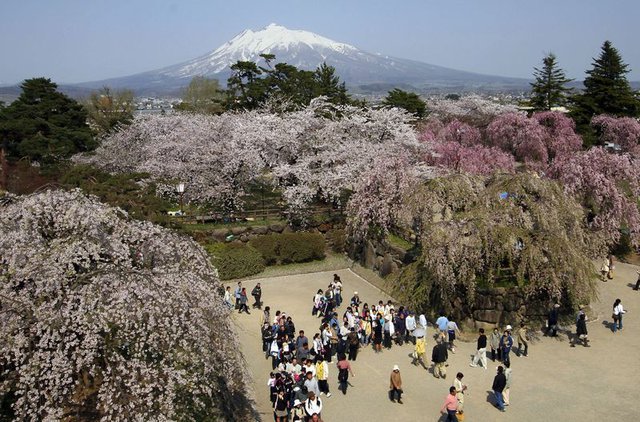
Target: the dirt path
pixel 556 382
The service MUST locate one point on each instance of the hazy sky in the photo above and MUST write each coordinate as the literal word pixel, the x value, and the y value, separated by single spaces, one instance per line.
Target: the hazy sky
pixel 84 40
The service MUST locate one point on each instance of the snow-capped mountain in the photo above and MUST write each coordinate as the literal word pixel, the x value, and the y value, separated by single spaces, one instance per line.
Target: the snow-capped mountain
pixel 307 50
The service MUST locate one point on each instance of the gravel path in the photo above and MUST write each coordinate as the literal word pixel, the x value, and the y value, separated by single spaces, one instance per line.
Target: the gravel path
pixel 556 382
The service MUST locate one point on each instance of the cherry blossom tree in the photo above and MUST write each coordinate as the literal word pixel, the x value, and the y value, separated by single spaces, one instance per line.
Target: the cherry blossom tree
pixel 472 109
pixel 378 196
pixel 521 230
pixel 560 133
pixel 623 131
pixel 313 153
pixel 608 186
pixel 522 136
pixel 107 318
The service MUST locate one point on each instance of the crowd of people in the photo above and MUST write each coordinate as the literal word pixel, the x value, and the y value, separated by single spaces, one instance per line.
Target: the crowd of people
pixel 302 364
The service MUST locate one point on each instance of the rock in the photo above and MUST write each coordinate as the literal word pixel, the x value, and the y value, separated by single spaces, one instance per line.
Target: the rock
pixel 487 315
pixel 219 234
pixel 277 228
pixel 236 231
pixel 369 255
pixel 488 326
pixel 386 265
pixel 379 262
pixel 244 238
pixel 324 227
pixel 260 230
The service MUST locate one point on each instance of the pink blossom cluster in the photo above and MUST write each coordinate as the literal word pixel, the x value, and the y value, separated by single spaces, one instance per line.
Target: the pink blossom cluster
pixel 608 185
pixel 623 131
pixel 105 316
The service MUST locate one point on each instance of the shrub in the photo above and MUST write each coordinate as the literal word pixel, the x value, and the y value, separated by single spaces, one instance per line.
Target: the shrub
pixel 235 260
pixel 289 248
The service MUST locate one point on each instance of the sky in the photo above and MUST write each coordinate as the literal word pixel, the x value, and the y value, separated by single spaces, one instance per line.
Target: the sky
pixel 86 40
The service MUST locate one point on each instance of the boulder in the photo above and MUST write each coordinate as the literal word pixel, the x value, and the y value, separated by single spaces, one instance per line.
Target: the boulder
pixel 369 255
pixel 277 228
pixel 511 302
pixel 260 230
pixel 244 238
pixel 398 252
pixel 379 262
pixel 387 264
pixel 324 227
pixel 484 301
pixel 236 231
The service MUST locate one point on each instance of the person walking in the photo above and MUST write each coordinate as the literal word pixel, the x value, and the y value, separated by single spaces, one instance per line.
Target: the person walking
pixel 450 406
pixel 581 330
pixel 410 324
pixel 499 383
pixel 243 301
pixel 495 344
pixel 552 321
pixel 443 323
pixel 460 389
pixel 439 356
pixel 257 295
pixel 236 294
pixel 612 267
pixel 507 385
pixel 637 286
pixel 481 351
pixel 395 385
pixel 604 269
pixel 618 311
pixel 452 330
pixel 522 341
pixel 344 370
pixel 227 297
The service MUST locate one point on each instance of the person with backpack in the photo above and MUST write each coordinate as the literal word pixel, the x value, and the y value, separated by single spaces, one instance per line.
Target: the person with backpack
pixel 354 343
pixel 313 405
pixel 257 295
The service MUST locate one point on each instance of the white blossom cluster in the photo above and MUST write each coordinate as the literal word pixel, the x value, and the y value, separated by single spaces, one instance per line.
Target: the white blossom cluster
pixel 470 108
pixel 106 318
pixel 316 152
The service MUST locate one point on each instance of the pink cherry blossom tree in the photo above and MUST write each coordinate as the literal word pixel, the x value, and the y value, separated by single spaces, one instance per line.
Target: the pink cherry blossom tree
pixel 107 318
pixel 607 185
pixel 519 135
pixel 624 131
pixel 560 133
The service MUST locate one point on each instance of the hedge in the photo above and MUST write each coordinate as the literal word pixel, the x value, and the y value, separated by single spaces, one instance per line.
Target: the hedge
pixel 235 260
pixel 286 248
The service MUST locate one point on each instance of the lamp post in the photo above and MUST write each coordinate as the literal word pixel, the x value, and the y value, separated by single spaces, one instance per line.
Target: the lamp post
pixel 180 190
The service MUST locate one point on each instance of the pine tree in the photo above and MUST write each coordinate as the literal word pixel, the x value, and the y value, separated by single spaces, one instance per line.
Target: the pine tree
pixel 44 125
pixel 549 89
pixel 328 84
pixel 607 90
pixel 407 100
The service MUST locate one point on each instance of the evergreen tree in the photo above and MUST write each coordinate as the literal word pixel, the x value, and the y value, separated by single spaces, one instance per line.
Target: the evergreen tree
pixel 407 100
pixel 246 89
pixel 44 124
pixel 549 89
pixel 607 90
pixel 328 84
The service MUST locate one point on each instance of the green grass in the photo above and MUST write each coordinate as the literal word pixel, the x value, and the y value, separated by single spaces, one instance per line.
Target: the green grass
pixel 396 240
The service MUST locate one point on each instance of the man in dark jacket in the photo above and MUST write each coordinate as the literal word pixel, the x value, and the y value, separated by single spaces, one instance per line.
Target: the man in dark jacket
pixel 439 357
pixel 552 322
pixel 257 295
pixel 499 383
